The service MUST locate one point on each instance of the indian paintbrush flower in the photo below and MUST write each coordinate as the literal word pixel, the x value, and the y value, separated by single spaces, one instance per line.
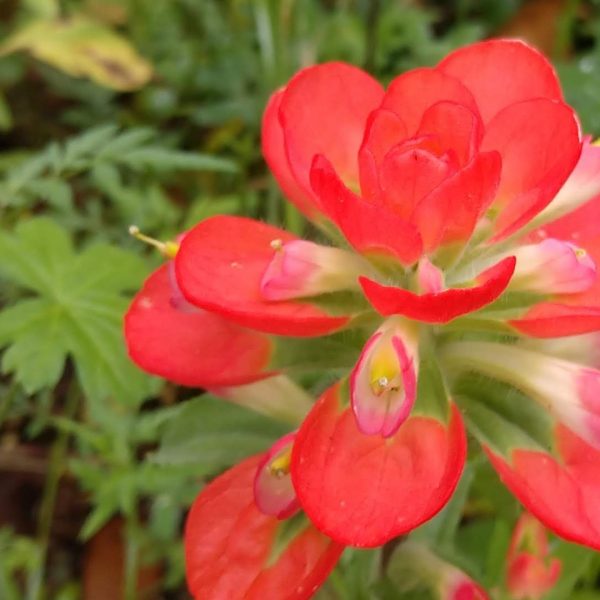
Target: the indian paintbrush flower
pixel 463 218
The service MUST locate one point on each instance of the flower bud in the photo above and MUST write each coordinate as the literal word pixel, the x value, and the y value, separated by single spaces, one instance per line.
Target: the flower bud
pixel 553 267
pixel 302 269
pixel 531 573
pixel 429 277
pixel 383 383
pixel 414 564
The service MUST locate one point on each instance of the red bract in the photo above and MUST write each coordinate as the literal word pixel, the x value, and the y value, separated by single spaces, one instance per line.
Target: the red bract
pixel 220 266
pixel 531 572
pixel 363 490
pixel 189 346
pixel 563 492
pixel 230 546
pixel 442 306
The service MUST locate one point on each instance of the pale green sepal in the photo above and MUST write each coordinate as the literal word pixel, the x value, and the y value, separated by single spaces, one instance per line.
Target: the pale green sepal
pixel 501 417
pixel 432 394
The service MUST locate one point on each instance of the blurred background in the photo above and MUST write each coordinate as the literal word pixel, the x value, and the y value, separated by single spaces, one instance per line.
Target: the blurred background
pixel 115 112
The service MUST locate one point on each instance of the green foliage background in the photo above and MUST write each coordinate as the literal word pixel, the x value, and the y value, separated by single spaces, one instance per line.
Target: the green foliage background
pixel 162 130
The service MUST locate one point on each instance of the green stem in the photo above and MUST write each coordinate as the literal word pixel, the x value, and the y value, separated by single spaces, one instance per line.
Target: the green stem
pixel 56 468
pixel 132 553
pixel 371 34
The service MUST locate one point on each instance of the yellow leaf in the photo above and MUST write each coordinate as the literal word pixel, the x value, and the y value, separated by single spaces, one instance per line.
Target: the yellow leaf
pixel 83 48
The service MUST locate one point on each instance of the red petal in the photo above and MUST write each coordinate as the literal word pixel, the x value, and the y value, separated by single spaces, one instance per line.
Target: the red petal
pixel 451 211
pixel 549 320
pixel 563 493
pixel 443 306
pixel 306 564
pixel 384 130
pixel 412 93
pixel 453 127
pixel 220 265
pixel 197 349
pixel 407 176
pixel 274 152
pixel 578 226
pixel 540 144
pixel 364 490
pixel 228 542
pixel 324 111
pixel 368 227
pixel 569 314
pixel 502 72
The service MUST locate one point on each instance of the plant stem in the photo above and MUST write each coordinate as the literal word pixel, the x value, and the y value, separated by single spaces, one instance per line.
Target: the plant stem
pixel 371 34
pixel 56 467
pixel 132 553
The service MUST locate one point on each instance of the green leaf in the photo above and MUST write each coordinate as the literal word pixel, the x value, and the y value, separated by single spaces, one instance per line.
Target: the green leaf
pixel 39 350
pixel 164 159
pixel 106 153
pixel 78 312
pixel 501 417
pixel 82 48
pixel 34 256
pixel 575 561
pixel 214 434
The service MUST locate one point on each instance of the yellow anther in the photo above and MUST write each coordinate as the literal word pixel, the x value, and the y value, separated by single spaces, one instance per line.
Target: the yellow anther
pixel 277 244
pixel 580 253
pixel 168 249
pixel 280 466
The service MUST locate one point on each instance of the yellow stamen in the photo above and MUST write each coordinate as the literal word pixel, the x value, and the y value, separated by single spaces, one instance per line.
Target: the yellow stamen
pixel 280 466
pixel 580 253
pixel 384 368
pixel 168 249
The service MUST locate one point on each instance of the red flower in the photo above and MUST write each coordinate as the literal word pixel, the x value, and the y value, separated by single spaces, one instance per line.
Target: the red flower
pixel 466 203
pixel 531 572
pixel 230 542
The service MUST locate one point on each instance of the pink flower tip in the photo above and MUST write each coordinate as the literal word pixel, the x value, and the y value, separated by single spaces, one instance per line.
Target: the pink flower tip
pixel 301 269
pixel 553 267
pixel 383 384
pixel 429 277
pixel 274 493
